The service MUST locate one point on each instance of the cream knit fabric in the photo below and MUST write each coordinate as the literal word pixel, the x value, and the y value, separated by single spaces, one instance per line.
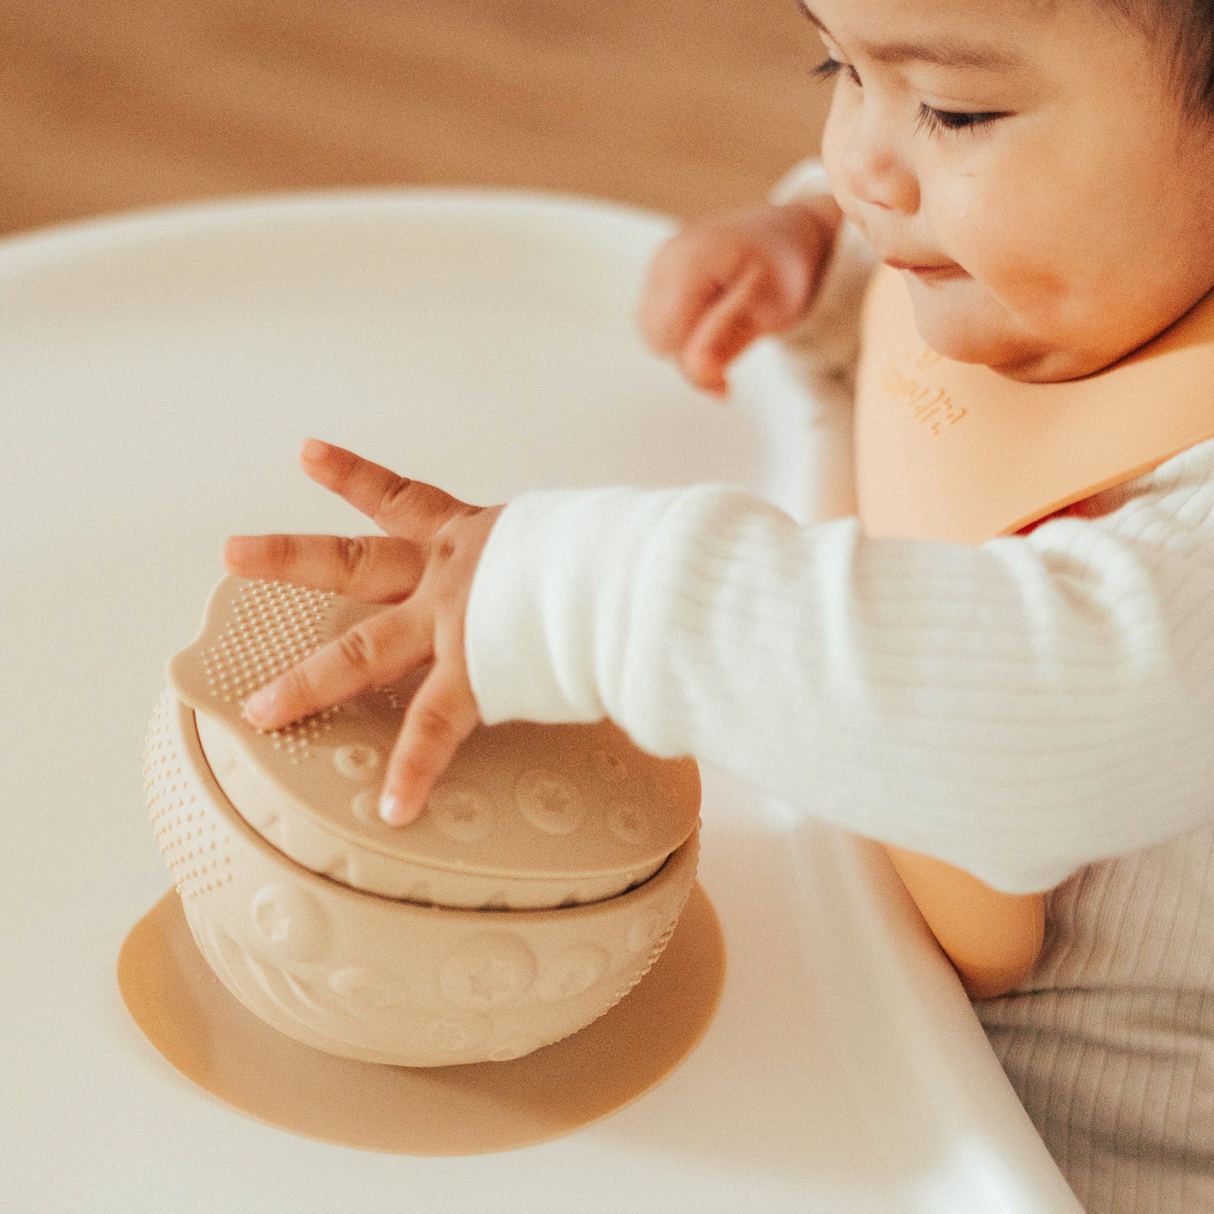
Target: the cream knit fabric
pixel 1028 710
pixel 1110 1041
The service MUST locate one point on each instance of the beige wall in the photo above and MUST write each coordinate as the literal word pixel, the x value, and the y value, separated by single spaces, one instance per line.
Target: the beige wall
pixel 686 106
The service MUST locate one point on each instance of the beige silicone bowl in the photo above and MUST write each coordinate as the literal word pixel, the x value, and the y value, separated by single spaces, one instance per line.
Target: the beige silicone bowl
pixel 540 885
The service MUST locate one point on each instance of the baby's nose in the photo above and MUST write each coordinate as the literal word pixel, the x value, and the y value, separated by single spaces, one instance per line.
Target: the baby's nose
pixel 874 172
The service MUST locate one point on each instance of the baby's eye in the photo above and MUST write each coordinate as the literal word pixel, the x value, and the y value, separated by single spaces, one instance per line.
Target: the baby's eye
pixel 938 121
pixel 830 68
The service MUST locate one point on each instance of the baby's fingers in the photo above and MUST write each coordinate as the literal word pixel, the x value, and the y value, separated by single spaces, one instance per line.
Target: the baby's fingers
pixel 370 568
pixel 728 327
pixel 677 294
pixel 380 650
pixel 402 507
pixel 440 716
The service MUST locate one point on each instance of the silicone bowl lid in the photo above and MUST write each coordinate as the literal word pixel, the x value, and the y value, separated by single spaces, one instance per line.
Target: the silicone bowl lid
pixel 550 804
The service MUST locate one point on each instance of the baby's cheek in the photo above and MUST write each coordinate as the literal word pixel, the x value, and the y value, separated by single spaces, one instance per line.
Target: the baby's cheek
pixel 1033 293
pixel 1016 268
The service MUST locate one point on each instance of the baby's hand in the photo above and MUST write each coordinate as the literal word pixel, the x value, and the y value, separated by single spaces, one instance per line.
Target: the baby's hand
pixel 718 285
pixel 424 565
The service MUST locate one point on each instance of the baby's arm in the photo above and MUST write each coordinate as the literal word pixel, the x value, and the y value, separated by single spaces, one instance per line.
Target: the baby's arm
pixel 719 284
pixel 1017 709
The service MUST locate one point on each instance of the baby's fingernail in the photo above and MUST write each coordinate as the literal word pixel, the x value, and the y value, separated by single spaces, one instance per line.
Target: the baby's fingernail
pixel 259 704
pixel 393 810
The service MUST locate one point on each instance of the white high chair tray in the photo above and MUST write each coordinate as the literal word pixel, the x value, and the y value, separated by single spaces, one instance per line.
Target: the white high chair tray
pixel 157 373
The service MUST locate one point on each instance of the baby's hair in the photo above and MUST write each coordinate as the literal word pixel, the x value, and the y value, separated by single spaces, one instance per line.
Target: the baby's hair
pixel 1184 30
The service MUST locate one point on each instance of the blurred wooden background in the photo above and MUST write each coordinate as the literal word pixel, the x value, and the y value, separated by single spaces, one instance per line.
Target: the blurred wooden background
pixel 687 106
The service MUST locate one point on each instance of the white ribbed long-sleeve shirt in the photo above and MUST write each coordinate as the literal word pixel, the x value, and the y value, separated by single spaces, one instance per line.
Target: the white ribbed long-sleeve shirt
pixel 1037 710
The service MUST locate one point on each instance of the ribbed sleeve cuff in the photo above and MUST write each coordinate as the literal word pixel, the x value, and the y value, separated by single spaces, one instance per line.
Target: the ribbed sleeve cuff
pixel 552 605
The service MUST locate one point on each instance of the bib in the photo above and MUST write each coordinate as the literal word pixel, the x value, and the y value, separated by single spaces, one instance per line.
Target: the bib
pixel 956 452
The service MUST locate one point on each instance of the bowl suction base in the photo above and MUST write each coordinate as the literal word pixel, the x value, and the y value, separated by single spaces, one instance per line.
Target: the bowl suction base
pixel 218 1044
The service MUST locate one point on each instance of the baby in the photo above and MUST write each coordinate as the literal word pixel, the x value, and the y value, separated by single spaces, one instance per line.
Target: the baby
pixel 1034 710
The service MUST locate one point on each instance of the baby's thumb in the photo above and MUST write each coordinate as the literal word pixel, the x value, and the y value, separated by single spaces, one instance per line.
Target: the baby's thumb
pixel 724 331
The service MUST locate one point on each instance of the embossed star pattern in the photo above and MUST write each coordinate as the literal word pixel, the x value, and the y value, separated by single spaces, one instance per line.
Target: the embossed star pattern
pixel 274 921
pixel 491 981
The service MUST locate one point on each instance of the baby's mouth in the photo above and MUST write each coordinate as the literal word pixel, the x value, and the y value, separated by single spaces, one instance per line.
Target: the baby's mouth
pixel 928 272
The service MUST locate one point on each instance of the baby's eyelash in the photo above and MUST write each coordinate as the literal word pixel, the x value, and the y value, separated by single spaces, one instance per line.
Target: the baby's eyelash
pixel 830 68
pixel 938 122
pixel 951 122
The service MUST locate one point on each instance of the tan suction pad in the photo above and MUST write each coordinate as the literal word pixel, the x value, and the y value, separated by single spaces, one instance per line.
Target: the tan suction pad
pixel 193 1021
pixel 526 816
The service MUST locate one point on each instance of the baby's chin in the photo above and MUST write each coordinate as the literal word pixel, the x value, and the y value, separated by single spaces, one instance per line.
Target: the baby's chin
pixel 967 332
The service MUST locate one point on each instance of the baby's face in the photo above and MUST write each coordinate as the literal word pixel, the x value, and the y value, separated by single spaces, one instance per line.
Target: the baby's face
pixel 1025 166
